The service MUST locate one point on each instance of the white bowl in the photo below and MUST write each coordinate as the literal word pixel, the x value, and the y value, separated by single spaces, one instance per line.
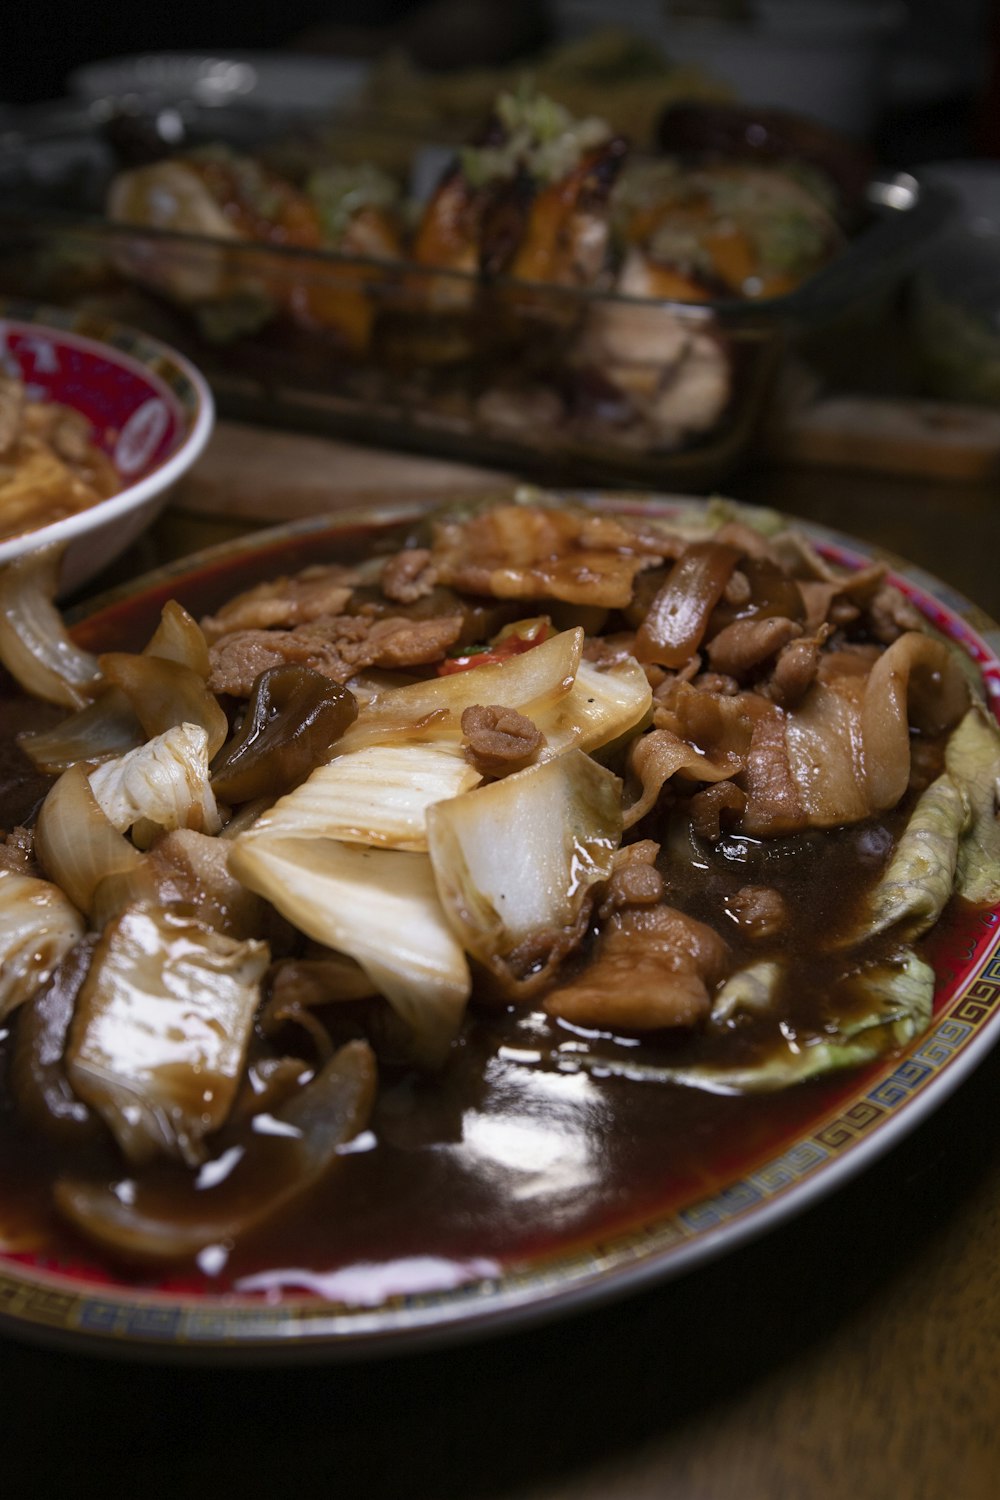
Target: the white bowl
pixel 149 408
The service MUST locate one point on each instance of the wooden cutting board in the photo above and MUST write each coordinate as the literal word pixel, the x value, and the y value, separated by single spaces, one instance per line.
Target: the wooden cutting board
pixel 260 474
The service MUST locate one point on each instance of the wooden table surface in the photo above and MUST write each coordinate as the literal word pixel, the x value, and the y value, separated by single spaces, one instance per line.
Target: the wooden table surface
pixel 852 1352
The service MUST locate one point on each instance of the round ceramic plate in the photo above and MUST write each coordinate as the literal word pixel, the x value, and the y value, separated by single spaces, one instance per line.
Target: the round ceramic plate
pixel 557 1249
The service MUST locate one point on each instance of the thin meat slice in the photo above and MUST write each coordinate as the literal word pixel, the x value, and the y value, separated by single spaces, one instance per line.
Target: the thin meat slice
pixel 284 602
pixel 337 648
pixel 527 552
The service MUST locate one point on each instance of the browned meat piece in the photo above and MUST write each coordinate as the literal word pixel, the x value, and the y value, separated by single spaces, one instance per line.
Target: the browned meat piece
pixel 338 648
pixel 745 645
pixel 794 671
pixel 193 868
pixel 760 911
pixel 17 852
pixel 890 615
pixel 408 576
pixel 653 967
pixel 528 552
pixel 499 740
pixel 706 808
pixel 839 599
pixel 635 880
pixel 408 643
pixel 284 602
pixel 715 682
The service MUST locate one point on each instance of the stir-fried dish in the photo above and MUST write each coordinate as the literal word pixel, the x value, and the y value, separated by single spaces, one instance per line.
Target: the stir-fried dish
pixel 535 810
pixel 50 467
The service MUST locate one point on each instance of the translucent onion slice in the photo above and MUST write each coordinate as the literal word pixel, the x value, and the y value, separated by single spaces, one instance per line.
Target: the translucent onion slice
pixel 378 795
pixel 160 786
pixel 109 726
pixel 380 907
pixel 270 1173
pixel 75 843
pixel 180 638
pixel 514 860
pixel 165 693
pixel 38 926
pixel 35 645
pixel 529 682
pixel 160 1031
pixel 103 730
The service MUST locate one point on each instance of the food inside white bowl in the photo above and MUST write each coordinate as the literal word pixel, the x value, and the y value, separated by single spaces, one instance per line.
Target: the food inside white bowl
pixel 97 423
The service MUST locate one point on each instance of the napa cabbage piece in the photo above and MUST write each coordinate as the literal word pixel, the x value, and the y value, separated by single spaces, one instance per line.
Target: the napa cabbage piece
pixel 530 682
pixel 972 759
pixel 159 786
pixel 917 885
pixel 381 908
pixel 600 707
pixel 160 1030
pixel 514 861
pixel 377 795
pixel 900 995
pixel 38 926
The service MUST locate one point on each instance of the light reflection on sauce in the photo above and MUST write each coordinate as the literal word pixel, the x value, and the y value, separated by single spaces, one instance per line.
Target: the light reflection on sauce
pixel 543 1139
pixel 368 1285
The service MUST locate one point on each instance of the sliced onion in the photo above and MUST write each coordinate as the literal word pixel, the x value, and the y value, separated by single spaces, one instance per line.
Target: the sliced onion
pixel 271 1173
pixel 104 729
pixel 75 843
pixel 35 645
pixel 38 925
pixel 164 693
pixel 180 638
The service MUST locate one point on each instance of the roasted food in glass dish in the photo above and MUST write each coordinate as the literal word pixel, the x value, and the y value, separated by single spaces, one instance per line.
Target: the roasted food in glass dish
pixel 535 818
pixel 549 284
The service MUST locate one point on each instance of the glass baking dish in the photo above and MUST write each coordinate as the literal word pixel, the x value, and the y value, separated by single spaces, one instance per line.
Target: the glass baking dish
pixel 560 383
